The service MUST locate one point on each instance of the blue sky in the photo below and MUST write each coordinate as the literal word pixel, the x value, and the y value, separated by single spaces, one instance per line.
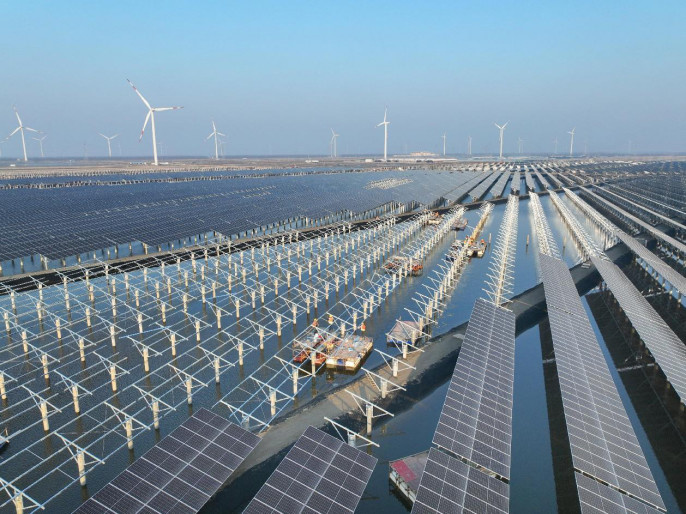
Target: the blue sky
pixel 276 76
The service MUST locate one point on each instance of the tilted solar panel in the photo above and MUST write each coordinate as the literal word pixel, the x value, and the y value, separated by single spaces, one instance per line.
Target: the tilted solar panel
pixel 667 349
pixel 476 420
pixel 448 485
pixel 602 440
pixel 181 472
pixel 320 473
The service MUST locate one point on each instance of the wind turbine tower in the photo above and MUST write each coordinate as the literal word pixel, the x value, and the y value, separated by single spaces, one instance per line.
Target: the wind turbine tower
pixel 216 140
pixel 109 146
pixel 40 142
pixel 21 128
pixel 555 141
pixel 443 137
pixel 469 145
pixel 502 130
pixel 333 143
pixel 520 145
pixel 571 142
pixel 151 116
pixel 385 124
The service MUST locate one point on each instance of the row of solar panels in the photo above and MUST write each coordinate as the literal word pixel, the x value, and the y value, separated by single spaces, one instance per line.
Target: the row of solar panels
pixel 602 441
pixel 319 474
pixel 677 245
pixel 77 220
pixel 475 423
pixel 469 469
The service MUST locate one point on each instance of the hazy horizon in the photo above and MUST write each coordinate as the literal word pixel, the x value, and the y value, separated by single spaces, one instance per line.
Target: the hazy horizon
pixel 277 77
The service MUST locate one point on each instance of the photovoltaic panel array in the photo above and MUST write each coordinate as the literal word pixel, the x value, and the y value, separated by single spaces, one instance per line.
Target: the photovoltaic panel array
pixel 516 183
pixel 602 441
pixel 499 186
pixel 667 349
pixel 319 474
pixel 68 221
pixel 596 498
pixel 181 472
pixel 476 420
pixel 674 243
pixel 670 274
pixel 450 485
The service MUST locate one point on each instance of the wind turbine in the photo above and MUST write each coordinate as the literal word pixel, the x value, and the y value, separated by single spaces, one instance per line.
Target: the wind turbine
pixel 571 142
pixel 40 142
pixel 109 147
pixel 334 146
pixel 502 129
pixel 385 124
pixel 151 114
pixel 443 137
pixel 21 128
pixel 216 141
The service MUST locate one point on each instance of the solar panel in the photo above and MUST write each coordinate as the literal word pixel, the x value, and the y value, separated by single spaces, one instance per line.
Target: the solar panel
pixel 480 189
pixel 450 485
pixel 664 269
pixel 476 420
pixel 320 473
pixel 76 220
pixel 595 497
pixel 667 349
pixel 181 472
pixel 499 186
pixel 516 183
pixel 602 440
pixel 678 245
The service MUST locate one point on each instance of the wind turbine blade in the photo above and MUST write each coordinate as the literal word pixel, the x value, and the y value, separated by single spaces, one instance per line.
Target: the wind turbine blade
pixel 17 114
pixel 380 124
pixel 145 125
pixel 506 124
pixel 212 134
pixel 32 130
pixel 103 135
pixel 214 128
pixel 220 134
pixel 13 132
pixel 139 94
pixel 116 135
pixel 160 109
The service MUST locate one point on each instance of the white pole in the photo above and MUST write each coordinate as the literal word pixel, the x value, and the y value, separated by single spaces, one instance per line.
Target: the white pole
pixel 154 136
pixel 81 463
pixel 75 396
pixel 23 142
pixel 385 141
